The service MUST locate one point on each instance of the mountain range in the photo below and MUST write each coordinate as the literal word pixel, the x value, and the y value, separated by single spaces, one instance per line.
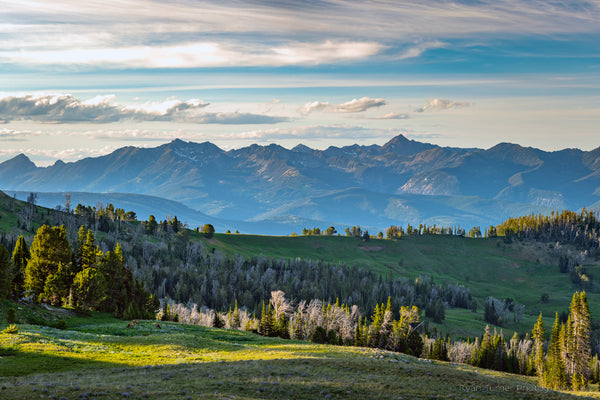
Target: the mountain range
pixel 274 190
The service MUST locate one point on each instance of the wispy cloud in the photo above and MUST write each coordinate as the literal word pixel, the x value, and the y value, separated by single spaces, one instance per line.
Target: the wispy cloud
pixel 157 34
pixel 198 55
pixel 415 50
pixel 392 116
pixel 352 106
pixel 65 108
pixel 441 104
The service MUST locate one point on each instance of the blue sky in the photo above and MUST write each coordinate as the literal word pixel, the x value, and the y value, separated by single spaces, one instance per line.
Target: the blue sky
pixel 82 78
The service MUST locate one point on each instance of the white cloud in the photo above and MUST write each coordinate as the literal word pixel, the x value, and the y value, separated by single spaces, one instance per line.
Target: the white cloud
pixel 322 53
pixel 441 104
pixel 197 55
pixel 314 106
pixel 392 116
pixel 359 105
pixel 352 106
pixel 413 51
pixel 65 108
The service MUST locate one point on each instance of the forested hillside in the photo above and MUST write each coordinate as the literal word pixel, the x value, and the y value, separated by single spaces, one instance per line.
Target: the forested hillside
pixel 439 273
pixel 402 292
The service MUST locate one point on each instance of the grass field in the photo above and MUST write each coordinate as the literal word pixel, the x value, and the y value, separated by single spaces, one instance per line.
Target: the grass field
pixel 100 358
pixel 488 267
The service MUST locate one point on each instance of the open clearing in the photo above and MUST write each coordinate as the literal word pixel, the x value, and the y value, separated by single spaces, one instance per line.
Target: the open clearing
pixel 103 359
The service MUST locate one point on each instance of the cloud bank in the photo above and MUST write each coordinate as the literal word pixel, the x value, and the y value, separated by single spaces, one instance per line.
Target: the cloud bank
pixel 65 108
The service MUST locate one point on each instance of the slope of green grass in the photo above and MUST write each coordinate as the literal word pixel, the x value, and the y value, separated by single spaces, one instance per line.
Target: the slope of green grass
pixel 106 360
pixel 488 267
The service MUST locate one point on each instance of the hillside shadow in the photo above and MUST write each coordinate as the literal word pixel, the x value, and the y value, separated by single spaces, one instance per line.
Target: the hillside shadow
pixel 15 363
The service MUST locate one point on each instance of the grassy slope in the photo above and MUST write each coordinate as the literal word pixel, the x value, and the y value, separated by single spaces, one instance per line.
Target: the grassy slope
pixel 104 359
pixel 522 271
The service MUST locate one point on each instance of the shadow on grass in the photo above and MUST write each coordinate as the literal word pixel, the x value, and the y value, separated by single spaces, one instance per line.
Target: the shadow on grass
pixel 20 363
pixel 305 378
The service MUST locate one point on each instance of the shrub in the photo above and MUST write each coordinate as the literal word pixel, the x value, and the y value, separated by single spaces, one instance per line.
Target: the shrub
pixel 61 324
pixel 11 329
pixel 319 335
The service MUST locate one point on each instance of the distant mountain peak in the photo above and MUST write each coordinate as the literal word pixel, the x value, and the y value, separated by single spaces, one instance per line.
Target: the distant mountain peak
pixel 400 145
pixel 300 148
pixel 22 161
pixel 398 139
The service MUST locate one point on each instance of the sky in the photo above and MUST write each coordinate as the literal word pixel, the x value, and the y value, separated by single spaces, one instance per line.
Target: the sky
pixel 81 78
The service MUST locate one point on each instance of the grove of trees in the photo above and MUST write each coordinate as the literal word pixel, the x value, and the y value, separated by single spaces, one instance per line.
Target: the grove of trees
pixel 85 278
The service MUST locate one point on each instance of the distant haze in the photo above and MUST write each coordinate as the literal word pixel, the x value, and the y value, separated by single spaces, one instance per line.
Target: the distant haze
pixel 271 189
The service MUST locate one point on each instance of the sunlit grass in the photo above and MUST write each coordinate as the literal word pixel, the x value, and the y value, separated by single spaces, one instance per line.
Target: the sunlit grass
pixel 109 360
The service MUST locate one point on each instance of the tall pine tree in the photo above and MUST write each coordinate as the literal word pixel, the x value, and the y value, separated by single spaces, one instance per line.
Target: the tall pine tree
pixel 5 273
pixel 20 257
pixel 581 338
pixel 555 366
pixel 539 337
pixel 49 249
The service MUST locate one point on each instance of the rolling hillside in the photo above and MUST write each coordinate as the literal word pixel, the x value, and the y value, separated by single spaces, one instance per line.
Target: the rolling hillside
pixel 487 267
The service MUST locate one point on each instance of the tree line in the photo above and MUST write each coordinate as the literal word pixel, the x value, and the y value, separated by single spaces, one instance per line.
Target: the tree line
pixel 184 271
pixel 316 321
pixel 563 362
pixel 80 276
pixel 581 229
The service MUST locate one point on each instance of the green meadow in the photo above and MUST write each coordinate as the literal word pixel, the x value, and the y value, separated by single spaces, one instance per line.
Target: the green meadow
pixel 519 270
pixel 99 357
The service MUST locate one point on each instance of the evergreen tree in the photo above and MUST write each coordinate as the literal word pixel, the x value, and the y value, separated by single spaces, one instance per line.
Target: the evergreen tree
pixel 151 225
pixel 266 326
pixel 538 335
pixel 49 249
pixel 512 359
pixel 486 350
pixel 119 292
pixel 236 319
pixel 89 289
pixel 6 275
pixel 555 367
pixel 89 252
pixel 78 254
pixel 567 347
pixel 581 338
pixel 20 257
pixel 56 287
pixel 375 328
